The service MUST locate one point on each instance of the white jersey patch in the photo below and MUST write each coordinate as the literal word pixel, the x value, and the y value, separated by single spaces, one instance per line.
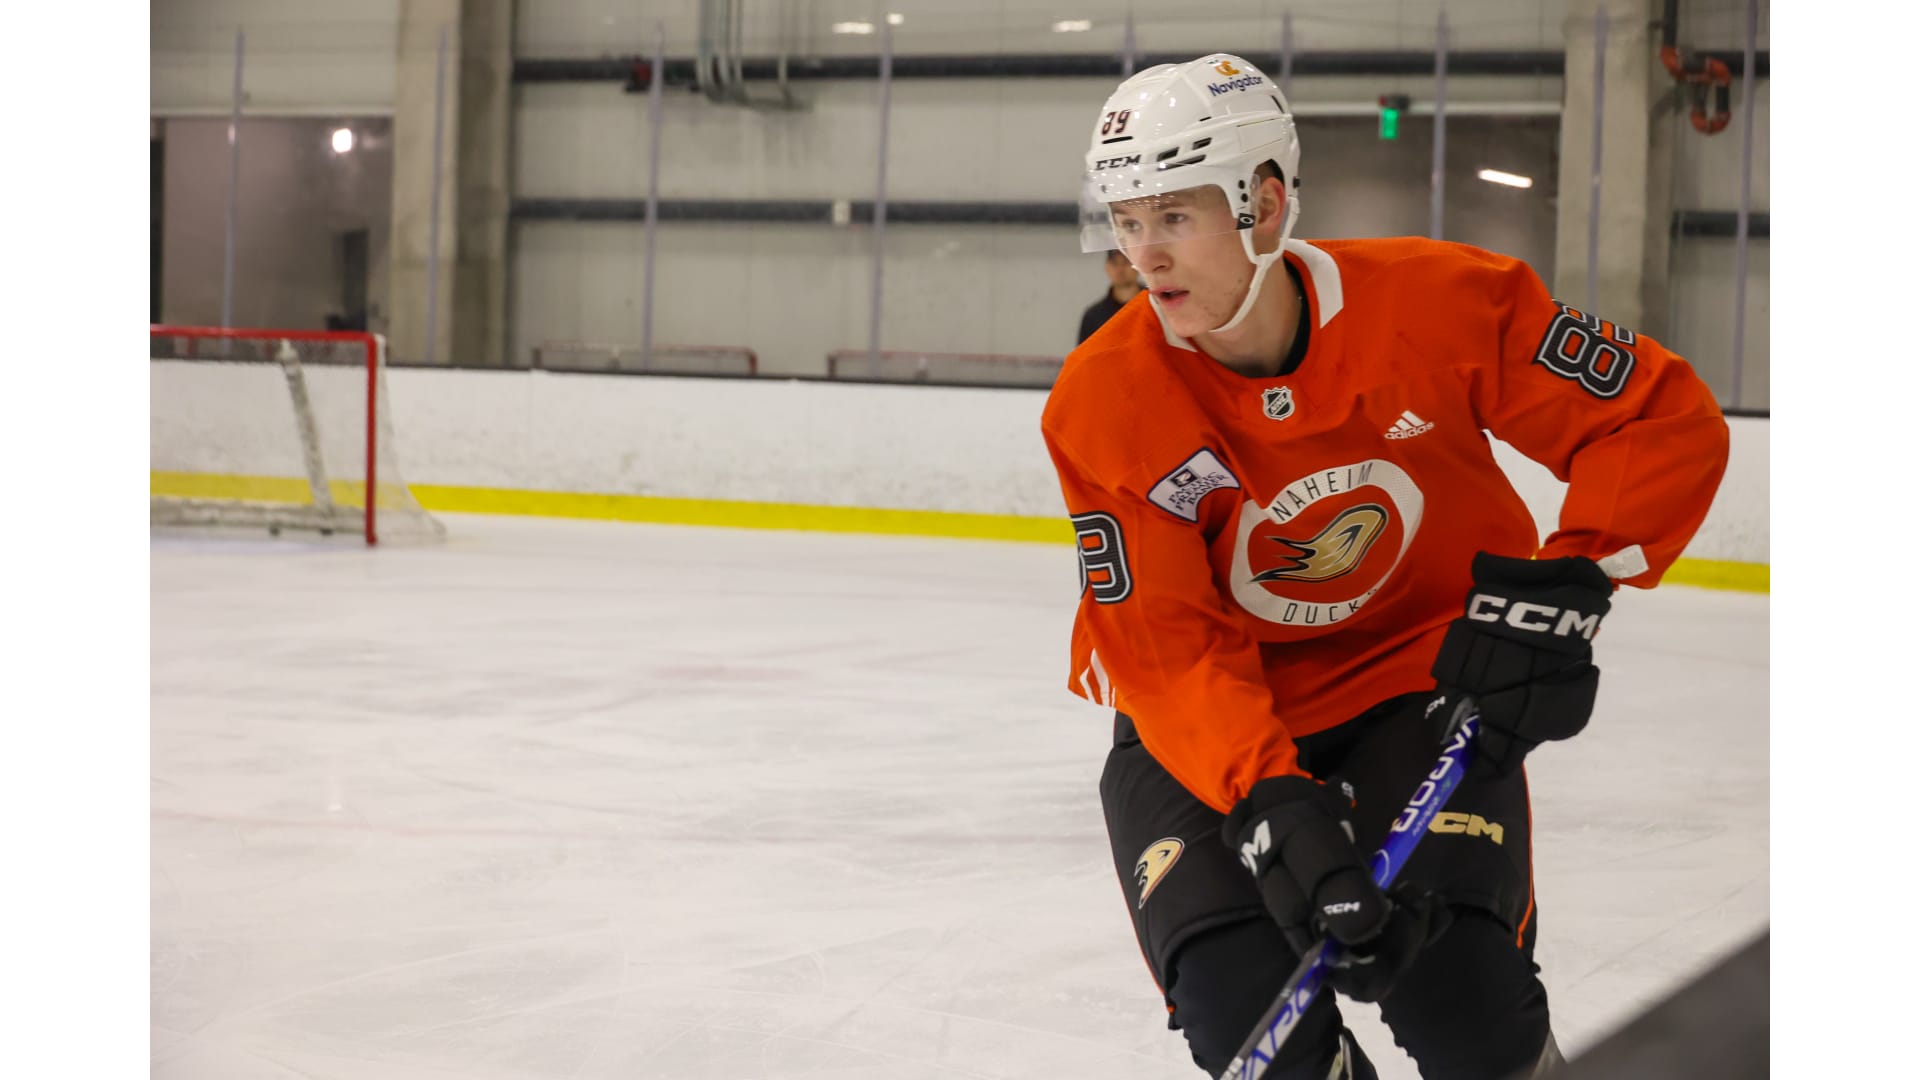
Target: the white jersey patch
pixel 1180 491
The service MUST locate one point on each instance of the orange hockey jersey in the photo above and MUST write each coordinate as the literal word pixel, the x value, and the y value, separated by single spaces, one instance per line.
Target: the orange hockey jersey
pixel 1268 557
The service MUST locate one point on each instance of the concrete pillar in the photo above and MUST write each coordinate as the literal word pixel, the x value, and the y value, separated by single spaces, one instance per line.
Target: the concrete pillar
pixel 475 132
pixel 479 322
pixel 1627 183
pixel 421 22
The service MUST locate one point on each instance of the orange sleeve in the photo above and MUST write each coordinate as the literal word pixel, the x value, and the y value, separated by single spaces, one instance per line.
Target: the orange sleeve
pixel 1153 639
pixel 1635 434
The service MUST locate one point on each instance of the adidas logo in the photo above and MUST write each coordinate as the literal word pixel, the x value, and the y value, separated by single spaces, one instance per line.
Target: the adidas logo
pixel 1408 426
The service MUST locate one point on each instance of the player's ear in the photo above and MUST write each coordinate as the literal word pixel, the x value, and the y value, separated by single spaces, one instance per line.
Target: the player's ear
pixel 1269 206
pixel 1273 197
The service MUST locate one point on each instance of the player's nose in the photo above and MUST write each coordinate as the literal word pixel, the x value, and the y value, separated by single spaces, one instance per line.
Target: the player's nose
pixel 1150 258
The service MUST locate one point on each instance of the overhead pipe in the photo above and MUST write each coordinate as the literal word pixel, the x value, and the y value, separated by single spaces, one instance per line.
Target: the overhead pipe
pixel 736 45
pixel 1719 224
pixel 1599 143
pixel 1286 56
pixel 433 201
pixel 1723 224
pixel 1746 203
pixel 799 211
pixel 1704 76
pixel 879 208
pixel 233 178
pixel 703 66
pixel 682 71
pixel 653 195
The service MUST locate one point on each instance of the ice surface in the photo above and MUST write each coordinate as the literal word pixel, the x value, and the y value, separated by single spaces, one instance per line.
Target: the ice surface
pixel 585 800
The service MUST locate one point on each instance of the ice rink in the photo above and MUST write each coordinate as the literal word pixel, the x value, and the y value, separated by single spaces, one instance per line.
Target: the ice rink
pixel 595 800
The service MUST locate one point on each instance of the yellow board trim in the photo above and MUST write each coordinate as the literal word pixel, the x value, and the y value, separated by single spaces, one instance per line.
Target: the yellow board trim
pixel 743 515
pixel 294 491
pixel 1704 573
pixel 273 489
pixel 1716 574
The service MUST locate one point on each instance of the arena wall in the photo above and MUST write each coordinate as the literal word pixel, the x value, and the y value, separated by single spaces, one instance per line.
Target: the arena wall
pixel 766 453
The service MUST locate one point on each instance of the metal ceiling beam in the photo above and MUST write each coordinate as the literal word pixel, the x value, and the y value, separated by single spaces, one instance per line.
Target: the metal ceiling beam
pixel 682 72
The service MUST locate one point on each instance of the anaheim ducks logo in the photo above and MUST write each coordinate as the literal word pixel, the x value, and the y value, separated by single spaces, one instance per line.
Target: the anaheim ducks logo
pixel 1325 580
pixel 1336 551
pixel 1153 865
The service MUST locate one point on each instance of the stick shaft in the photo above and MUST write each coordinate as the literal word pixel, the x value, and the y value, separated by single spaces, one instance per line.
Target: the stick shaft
pixel 1270 1034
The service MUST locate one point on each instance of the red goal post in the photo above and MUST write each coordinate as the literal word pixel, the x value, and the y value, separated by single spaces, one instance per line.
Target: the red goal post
pixel 276 429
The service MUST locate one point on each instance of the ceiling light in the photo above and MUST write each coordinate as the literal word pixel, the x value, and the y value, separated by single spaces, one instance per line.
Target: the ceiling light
pixel 894 18
pixel 1073 26
pixel 1507 178
pixel 342 140
pixel 853 28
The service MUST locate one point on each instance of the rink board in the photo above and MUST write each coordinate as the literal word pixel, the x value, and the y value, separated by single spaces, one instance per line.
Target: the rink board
pixel 797 454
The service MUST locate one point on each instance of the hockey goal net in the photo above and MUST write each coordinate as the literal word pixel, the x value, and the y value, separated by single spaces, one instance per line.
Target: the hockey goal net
pixel 277 429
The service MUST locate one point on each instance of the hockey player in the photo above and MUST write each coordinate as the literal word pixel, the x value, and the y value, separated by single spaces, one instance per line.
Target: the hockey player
pixel 1295 543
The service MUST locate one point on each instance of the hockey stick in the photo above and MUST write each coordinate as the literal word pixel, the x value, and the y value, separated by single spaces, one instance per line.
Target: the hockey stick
pixel 1258 1052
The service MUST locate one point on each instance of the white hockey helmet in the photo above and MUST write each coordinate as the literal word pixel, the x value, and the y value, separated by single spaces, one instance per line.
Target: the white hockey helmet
pixel 1177 127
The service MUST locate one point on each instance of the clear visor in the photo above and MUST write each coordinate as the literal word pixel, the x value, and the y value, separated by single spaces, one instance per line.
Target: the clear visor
pixel 1158 214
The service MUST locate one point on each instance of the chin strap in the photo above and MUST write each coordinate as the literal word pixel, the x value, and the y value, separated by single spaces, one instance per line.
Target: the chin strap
pixel 1261 264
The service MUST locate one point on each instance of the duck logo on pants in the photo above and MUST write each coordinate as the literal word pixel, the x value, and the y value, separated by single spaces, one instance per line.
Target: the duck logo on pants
pixel 1153 864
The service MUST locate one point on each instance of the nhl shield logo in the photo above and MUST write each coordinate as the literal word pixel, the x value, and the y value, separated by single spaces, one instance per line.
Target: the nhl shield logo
pixel 1278 402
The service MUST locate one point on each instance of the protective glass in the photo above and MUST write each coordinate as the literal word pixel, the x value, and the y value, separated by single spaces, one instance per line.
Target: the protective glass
pixel 1161 213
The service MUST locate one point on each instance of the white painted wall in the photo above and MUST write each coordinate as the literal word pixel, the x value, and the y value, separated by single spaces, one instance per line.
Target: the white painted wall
pixel 978 139
pixel 600 27
pixel 335 58
pixel 795 292
pixel 1721 24
pixel 1700 314
pixel 1706 168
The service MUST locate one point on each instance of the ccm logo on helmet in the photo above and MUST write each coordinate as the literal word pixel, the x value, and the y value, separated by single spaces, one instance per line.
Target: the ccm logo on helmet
pixel 1538 618
pixel 1117 162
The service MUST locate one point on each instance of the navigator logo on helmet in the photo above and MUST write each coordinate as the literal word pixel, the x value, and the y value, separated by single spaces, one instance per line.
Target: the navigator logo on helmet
pixel 1210 121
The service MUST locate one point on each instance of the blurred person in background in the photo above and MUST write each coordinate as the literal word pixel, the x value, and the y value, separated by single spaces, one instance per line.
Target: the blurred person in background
pixel 1123 284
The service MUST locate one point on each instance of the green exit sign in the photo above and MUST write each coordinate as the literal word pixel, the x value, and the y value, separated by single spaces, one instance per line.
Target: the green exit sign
pixel 1392 107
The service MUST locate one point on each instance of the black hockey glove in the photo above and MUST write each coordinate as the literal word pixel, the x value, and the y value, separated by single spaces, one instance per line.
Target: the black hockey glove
pixel 1293 834
pixel 1524 651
